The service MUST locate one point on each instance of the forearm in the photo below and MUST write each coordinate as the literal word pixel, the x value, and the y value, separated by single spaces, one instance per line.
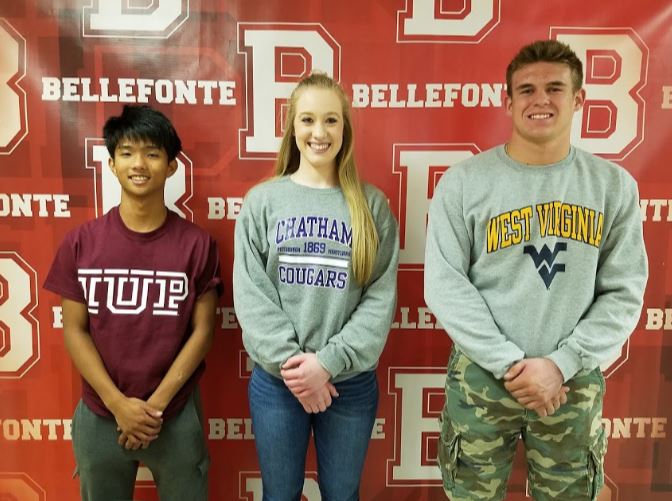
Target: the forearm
pixel 466 317
pixel 615 311
pixel 184 365
pixel 599 336
pixel 268 334
pixel 448 289
pixel 356 348
pixel 86 359
pixel 191 354
pixel 360 342
pixel 270 345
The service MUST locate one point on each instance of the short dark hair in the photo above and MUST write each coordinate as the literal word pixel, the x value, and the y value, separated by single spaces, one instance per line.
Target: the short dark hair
pixel 142 123
pixel 546 51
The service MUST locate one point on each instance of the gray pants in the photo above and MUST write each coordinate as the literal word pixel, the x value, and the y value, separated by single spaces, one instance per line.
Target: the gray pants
pixel 178 458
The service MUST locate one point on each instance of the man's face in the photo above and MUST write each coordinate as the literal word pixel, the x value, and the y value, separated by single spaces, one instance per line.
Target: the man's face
pixel 543 102
pixel 141 167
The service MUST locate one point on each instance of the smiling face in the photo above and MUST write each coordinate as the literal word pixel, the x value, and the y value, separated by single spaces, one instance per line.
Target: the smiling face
pixel 542 103
pixel 318 127
pixel 142 168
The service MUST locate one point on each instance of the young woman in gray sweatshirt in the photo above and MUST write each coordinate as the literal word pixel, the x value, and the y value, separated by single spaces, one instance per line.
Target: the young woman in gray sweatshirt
pixel 314 279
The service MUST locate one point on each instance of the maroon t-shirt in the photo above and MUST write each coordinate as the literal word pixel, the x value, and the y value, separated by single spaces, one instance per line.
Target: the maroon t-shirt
pixel 140 290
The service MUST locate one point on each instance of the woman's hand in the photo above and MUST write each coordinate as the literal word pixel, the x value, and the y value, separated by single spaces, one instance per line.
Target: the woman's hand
pixel 304 375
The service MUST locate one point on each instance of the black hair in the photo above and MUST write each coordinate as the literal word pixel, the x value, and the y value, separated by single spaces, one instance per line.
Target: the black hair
pixel 142 123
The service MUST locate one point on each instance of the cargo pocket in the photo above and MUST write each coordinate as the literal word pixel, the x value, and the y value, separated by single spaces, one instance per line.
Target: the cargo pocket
pixel 456 357
pixel 596 464
pixel 449 448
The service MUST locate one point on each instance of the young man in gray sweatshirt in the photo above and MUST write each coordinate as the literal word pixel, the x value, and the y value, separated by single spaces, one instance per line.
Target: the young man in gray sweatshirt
pixel 536 267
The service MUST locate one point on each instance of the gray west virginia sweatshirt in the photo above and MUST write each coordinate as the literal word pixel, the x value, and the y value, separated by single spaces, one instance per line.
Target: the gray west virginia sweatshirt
pixel 544 261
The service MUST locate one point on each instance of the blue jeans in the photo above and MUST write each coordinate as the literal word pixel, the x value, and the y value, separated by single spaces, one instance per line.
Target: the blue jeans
pixel 282 431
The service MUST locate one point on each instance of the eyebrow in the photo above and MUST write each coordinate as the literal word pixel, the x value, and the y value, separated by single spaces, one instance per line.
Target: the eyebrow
pixel 554 83
pixel 328 113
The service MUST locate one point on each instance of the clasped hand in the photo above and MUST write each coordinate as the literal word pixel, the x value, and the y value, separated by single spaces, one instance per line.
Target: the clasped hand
pixel 309 382
pixel 138 422
pixel 536 384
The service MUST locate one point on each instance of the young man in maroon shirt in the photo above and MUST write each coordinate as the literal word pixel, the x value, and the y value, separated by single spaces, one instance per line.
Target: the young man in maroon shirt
pixel 139 288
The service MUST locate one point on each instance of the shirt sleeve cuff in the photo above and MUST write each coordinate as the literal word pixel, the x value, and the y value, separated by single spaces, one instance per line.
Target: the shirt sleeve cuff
pixel 330 361
pixel 567 360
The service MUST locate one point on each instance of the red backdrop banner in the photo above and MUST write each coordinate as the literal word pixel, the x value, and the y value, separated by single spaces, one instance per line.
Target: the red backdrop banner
pixel 426 78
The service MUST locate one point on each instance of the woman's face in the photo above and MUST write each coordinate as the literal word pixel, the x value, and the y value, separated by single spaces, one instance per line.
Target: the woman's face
pixel 318 127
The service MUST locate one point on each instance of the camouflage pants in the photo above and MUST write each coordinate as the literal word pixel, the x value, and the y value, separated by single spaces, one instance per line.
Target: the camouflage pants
pixel 481 424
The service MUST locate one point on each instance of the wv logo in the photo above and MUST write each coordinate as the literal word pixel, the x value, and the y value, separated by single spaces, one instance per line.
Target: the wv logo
pixel 546 271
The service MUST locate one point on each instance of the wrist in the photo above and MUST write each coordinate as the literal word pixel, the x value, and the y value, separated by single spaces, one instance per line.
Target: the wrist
pixel 113 401
pixel 157 402
pixel 556 369
pixel 567 361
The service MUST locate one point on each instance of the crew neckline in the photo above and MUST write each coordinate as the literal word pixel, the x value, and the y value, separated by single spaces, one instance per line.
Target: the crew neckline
pixel 535 169
pixel 311 189
pixel 137 235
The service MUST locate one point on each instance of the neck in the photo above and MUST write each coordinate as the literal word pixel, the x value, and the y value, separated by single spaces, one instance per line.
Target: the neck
pixel 142 216
pixel 322 177
pixel 537 154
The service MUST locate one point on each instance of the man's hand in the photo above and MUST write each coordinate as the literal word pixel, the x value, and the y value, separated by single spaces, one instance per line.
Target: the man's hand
pixel 555 403
pixel 129 442
pixel 137 421
pixel 320 400
pixel 536 384
pixel 304 375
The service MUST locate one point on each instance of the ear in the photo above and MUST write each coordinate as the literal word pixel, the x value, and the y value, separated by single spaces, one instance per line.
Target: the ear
pixel 110 164
pixel 172 167
pixel 508 102
pixel 579 99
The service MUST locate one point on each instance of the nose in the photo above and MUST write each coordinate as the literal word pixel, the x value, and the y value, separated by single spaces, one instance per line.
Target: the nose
pixel 542 97
pixel 137 161
pixel 319 131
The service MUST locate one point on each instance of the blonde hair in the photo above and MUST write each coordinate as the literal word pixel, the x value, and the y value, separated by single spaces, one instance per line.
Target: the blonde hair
pixel 364 234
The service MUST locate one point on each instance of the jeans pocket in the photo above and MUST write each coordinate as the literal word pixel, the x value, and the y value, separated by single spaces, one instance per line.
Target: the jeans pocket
pixel 596 464
pixel 449 450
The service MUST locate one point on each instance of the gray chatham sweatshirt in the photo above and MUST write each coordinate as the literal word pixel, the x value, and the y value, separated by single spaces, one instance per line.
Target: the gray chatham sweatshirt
pixel 544 261
pixel 293 286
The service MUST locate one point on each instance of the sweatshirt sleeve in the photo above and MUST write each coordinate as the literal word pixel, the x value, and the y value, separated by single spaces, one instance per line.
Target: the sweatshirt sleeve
pixel 449 293
pixel 357 347
pixel 622 271
pixel 268 334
